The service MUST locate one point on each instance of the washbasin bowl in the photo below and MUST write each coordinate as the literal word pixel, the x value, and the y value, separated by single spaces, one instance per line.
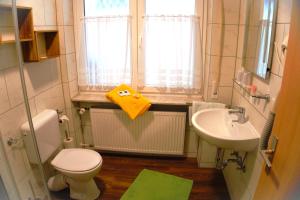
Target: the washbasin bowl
pixel 216 126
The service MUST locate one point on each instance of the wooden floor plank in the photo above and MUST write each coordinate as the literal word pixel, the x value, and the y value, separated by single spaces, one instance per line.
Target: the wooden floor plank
pixel 119 171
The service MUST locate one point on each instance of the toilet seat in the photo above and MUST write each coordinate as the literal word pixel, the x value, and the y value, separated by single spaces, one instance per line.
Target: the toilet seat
pixel 77 160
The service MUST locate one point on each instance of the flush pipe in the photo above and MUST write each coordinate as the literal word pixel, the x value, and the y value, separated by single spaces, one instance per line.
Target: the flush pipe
pixel 81 112
pixel 25 96
pixel 217 76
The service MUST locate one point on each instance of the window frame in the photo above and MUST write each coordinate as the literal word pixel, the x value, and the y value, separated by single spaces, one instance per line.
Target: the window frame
pixel 137 11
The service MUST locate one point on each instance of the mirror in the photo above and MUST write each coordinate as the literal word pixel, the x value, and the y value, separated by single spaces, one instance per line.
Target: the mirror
pixel 259 36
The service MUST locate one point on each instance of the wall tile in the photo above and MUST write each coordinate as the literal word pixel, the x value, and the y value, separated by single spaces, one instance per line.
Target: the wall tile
pixel 71 66
pixel 64 69
pixel 206 153
pixel 73 88
pixel 59 12
pixel 68 12
pixel 191 143
pixel 241 42
pixel 38 11
pixel 50 99
pixel 6 17
pixel 224 40
pixel 69 39
pixel 224 95
pixel 62 45
pixel 8 56
pixel 208 39
pixel 50 12
pixel 71 121
pixel 11 121
pixel 237 188
pixel 42 76
pixel 279 37
pixel 14 87
pixel 243 11
pixel 4 101
pixel 224 66
pixel 251 177
pixel 286 33
pixel 31 186
pixel 67 98
pixel 284 11
pixel 238 66
pixel 227 8
pixel 19 163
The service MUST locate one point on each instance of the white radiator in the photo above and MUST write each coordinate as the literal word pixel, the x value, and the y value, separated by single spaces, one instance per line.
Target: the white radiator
pixel 155 132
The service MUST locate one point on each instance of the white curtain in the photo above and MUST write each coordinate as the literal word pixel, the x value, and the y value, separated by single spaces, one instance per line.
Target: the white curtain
pixel 105 58
pixel 171 53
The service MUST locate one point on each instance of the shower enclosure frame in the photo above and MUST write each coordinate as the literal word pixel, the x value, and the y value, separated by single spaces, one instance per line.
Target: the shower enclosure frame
pixel 20 66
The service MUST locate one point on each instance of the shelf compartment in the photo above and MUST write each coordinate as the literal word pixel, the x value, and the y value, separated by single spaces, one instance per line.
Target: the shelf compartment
pixel 25 23
pixel 13 41
pixel 44 46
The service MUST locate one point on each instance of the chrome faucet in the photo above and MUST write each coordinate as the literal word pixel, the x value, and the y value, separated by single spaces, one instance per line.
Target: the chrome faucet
pixel 240 112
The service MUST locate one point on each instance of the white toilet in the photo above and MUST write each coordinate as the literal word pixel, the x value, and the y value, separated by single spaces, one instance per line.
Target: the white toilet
pixel 79 166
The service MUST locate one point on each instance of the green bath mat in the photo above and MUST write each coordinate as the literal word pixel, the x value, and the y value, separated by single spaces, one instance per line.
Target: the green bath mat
pixel 152 185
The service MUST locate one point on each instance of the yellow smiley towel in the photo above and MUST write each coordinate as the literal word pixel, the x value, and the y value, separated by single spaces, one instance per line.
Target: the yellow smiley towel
pixel 133 103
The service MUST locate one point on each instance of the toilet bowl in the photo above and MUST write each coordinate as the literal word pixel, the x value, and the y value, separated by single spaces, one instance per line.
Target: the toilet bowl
pixel 79 166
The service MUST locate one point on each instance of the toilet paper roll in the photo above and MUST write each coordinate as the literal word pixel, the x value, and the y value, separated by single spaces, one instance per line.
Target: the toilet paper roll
pixel 69 143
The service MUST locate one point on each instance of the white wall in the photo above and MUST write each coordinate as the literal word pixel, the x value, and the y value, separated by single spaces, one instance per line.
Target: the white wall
pixel 243 185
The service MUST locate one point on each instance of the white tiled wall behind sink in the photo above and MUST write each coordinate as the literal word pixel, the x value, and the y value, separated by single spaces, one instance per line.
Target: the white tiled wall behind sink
pixel 243 185
pixel 224 47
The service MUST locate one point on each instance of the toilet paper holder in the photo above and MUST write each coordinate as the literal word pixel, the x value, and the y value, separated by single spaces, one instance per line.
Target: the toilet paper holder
pixel 61 116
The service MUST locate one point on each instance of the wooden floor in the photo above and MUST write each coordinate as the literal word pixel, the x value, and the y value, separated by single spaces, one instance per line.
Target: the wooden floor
pixel 118 172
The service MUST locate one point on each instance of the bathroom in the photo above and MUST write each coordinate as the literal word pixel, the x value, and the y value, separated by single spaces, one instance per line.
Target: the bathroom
pixel 233 70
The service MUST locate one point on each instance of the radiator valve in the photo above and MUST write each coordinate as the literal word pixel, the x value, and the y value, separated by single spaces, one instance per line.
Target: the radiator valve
pixel 82 111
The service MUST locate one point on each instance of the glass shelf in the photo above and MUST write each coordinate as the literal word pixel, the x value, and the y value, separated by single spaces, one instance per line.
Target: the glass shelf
pixel 257 94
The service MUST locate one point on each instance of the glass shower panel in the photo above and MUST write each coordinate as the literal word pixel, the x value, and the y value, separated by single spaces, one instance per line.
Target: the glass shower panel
pixel 19 179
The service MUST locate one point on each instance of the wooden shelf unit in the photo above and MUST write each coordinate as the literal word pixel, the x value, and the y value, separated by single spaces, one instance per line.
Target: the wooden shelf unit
pixel 36 45
pixel 25 23
pixel 44 46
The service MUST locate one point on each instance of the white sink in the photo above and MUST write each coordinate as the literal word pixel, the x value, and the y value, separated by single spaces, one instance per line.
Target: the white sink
pixel 216 127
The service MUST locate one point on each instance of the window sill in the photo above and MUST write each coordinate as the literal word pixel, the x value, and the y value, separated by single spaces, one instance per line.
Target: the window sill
pixel 169 99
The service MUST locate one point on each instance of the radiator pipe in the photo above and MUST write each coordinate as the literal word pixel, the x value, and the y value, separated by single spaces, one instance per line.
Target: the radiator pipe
pixel 81 112
pixel 84 145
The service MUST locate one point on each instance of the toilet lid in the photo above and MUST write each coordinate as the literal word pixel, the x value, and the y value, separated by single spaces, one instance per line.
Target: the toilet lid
pixel 77 160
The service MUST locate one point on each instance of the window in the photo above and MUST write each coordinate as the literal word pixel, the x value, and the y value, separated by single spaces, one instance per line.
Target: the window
pixel 155 49
pixel 107 44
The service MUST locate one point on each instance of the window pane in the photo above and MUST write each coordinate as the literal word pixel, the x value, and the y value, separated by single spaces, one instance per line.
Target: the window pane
pixel 107 43
pixel 170 7
pixel 171 37
pixel 106 7
pixel 169 52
